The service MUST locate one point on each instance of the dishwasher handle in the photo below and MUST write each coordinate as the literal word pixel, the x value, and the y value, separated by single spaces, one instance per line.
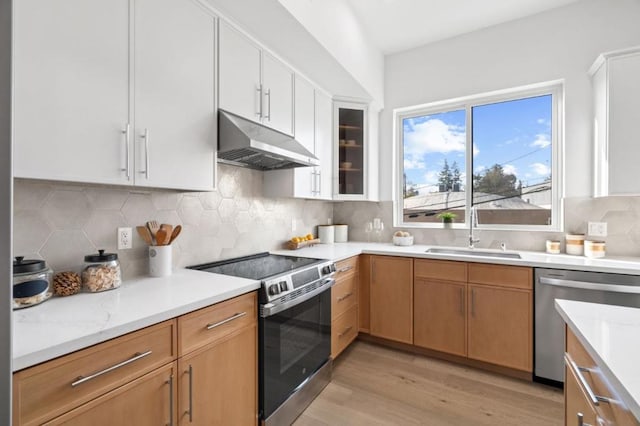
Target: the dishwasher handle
pixel 616 288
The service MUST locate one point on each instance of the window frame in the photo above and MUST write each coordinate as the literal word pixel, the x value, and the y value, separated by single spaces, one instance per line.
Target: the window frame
pixel 553 88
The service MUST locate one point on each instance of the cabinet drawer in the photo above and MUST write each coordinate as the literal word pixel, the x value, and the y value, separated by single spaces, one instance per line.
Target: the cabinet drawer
pixel 343 330
pixel 344 295
pixel 50 389
pixel 207 325
pixel 501 275
pixel 346 267
pixel 440 270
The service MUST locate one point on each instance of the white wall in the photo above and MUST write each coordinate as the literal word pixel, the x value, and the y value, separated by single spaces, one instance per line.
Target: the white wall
pixel 335 26
pixel 5 212
pixel 560 44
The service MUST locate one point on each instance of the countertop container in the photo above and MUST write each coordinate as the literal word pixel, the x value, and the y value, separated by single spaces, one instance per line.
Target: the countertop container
pixel 31 282
pixel 101 272
pixel 574 244
pixel 594 249
pixel 326 233
pixel 341 233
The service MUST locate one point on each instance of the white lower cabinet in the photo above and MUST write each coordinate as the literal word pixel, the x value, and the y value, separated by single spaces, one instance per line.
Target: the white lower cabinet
pixel 115 92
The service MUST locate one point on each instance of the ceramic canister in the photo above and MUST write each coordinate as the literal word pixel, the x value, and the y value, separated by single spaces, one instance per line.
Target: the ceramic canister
pixel 160 262
pixel 326 233
pixel 574 244
pixel 341 233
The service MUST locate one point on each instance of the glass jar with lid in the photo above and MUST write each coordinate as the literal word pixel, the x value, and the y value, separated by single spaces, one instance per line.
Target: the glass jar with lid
pixel 31 282
pixel 101 272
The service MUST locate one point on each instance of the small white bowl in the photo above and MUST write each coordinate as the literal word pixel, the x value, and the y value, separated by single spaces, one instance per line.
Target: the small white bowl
pixel 346 165
pixel 403 241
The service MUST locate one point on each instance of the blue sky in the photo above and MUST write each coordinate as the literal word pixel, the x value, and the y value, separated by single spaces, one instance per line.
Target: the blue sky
pixel 515 134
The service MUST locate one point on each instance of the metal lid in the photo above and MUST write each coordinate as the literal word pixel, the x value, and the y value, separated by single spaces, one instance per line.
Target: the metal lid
pixel 22 266
pixel 101 257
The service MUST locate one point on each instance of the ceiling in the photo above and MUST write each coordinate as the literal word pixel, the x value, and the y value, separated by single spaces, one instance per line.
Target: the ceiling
pixel 397 25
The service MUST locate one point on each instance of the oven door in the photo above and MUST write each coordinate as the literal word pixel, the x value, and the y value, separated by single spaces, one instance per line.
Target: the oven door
pixel 294 343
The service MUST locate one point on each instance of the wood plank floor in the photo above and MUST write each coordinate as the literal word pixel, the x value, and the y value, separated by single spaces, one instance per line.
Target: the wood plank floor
pixel 374 385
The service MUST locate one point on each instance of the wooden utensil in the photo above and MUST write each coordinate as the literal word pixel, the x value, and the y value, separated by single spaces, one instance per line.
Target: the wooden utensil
pixel 145 234
pixel 168 229
pixel 161 236
pixel 175 233
pixel 154 227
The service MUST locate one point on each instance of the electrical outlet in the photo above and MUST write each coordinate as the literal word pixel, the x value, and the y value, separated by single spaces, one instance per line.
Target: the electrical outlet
pixel 124 238
pixel 597 229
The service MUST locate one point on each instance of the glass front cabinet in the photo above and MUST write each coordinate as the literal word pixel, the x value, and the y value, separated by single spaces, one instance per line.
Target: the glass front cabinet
pixel 351 151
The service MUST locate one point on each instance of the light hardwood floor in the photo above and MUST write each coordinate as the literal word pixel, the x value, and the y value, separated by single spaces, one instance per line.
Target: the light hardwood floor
pixel 374 385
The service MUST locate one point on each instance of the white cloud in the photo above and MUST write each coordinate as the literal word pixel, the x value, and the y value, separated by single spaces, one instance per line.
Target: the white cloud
pixel 542 141
pixel 480 169
pixel 433 136
pixel 413 163
pixel 540 169
pixel 510 169
pixel 543 121
pixel 431 177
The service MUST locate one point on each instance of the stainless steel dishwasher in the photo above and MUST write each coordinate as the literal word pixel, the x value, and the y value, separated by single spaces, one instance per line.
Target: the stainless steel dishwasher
pixel 551 284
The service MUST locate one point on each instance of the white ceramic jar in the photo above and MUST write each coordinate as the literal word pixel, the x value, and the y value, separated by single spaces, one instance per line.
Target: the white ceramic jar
pixel 574 244
pixel 594 249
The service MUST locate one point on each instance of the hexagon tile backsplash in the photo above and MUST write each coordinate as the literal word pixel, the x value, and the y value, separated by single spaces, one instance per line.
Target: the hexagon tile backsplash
pixel 63 222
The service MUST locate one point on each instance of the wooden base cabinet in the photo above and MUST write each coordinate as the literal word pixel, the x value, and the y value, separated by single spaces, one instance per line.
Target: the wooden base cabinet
pixel 344 305
pixel 391 297
pixel 148 400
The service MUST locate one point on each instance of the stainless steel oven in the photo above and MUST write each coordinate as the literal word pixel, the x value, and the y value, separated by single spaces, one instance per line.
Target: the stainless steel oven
pixel 294 329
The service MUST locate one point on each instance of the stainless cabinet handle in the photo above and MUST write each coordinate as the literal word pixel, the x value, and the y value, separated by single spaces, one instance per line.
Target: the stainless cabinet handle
pixel 259 112
pixel 340 299
pixel 170 383
pixel 313 183
pixel 224 321
pixel 595 399
pixel 190 394
pixel 127 166
pixel 145 136
pixel 80 379
pixel 345 331
pixel 267 94
pixel 345 269
pixel 461 301
pixel 473 303
pixel 319 186
pixel 581 420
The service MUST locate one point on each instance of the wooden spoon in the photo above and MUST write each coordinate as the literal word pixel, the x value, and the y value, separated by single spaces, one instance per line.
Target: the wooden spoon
pixel 168 229
pixel 161 237
pixel 154 227
pixel 175 233
pixel 145 234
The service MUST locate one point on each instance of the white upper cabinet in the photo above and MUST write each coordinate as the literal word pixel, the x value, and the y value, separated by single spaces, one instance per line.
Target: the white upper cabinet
pixel 254 84
pixel 616 95
pixel 324 145
pixel 175 120
pixel 71 90
pixel 82 77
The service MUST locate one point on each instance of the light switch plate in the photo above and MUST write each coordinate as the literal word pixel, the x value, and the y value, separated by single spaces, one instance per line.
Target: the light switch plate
pixel 597 229
pixel 124 238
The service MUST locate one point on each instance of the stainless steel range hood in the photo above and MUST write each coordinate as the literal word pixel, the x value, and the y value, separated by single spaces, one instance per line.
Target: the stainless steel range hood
pixel 242 142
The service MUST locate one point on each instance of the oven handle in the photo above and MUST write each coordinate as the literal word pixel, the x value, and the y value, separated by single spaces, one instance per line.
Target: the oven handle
pixel 270 309
pixel 617 288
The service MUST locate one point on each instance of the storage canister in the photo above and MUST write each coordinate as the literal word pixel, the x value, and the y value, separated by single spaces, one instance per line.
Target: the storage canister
pixel 326 233
pixel 575 244
pixel 31 282
pixel 101 272
pixel 594 249
pixel 341 233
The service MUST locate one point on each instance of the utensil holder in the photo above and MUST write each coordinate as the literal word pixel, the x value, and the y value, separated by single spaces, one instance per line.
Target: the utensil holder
pixel 160 259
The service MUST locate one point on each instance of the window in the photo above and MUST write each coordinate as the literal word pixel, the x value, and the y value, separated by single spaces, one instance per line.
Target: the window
pixel 499 152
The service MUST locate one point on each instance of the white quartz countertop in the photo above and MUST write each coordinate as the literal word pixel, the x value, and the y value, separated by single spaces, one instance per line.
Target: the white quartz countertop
pixel 63 325
pixel 339 251
pixel 610 335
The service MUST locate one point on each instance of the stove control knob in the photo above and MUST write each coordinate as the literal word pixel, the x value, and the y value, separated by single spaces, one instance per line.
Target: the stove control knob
pixel 283 286
pixel 274 289
pixel 328 269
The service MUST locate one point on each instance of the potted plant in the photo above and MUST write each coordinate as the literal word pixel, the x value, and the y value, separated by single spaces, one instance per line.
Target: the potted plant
pixel 447 218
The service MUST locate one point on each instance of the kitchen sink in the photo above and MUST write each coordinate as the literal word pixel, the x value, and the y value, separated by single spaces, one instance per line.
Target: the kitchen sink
pixel 474 253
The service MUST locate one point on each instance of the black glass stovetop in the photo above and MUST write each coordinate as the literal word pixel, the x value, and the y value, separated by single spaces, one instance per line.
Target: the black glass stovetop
pixel 257 266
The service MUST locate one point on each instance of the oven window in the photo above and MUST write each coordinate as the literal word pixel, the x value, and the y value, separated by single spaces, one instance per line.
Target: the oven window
pixel 299 335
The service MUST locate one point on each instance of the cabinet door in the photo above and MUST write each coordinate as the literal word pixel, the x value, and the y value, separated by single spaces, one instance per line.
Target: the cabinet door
pixel 391 294
pixel 439 320
pixel 324 144
pixel 351 159
pixel 239 78
pixel 277 97
pixel 500 326
pixel 624 108
pixel 175 124
pixel 71 90
pixel 148 400
pixel 305 177
pixel 218 383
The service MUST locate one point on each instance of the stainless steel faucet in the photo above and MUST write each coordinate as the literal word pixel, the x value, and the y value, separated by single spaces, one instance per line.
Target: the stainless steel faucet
pixel 473 222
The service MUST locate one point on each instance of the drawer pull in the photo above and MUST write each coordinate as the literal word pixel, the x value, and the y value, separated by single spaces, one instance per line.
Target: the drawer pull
pixel 190 394
pixel 595 399
pixel 224 321
pixel 341 298
pixel 170 383
pixel 80 379
pixel 345 331
pixel 345 269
